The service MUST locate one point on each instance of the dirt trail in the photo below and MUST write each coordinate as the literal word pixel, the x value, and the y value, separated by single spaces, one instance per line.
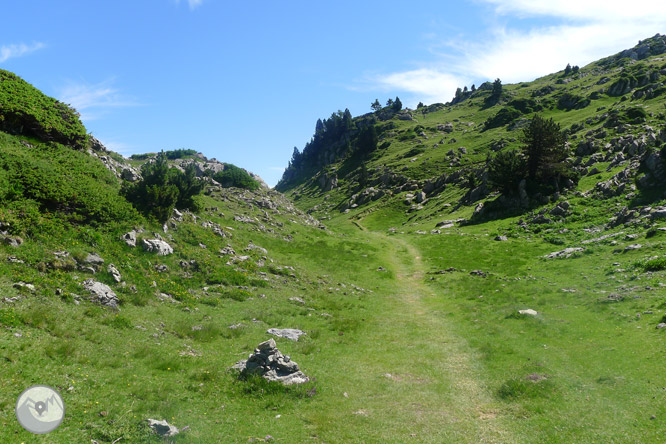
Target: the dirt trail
pixel 449 392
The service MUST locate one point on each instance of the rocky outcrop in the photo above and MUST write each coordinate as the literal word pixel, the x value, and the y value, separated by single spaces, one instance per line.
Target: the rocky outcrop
pixel 269 363
pixel 157 246
pixel 101 293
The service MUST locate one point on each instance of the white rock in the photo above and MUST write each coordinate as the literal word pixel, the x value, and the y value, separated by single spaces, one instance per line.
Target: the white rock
pixel 528 312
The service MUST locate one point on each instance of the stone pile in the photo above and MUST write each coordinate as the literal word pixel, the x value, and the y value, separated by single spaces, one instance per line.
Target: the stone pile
pixel 268 362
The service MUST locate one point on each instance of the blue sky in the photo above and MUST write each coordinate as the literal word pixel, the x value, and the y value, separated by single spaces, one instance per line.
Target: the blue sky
pixel 245 82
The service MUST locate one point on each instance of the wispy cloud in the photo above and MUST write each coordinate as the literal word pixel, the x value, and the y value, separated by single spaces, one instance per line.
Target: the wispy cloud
pixel 12 51
pixel 193 3
pixel 579 33
pixel 94 100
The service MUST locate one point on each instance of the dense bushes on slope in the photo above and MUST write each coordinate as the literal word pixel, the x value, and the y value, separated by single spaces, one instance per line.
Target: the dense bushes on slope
pixel 27 111
pixel 162 189
pixel 56 180
pixel 232 176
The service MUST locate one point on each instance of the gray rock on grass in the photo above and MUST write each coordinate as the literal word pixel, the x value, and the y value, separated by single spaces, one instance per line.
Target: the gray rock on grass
pixel 130 238
pixel 101 293
pixel 162 427
pixel 288 333
pixel 157 246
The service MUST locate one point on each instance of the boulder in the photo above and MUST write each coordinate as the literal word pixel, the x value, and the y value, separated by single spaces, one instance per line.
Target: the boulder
pixel 269 363
pixel 157 246
pixel 93 259
pixel 162 428
pixel 101 293
pixel 501 238
pixel 114 273
pixel 130 238
pixel 252 247
pixel 528 312
pixel 228 251
pixel 13 241
pixel 289 333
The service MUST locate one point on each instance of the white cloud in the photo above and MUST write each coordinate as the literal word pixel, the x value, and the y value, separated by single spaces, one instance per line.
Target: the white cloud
pixel 429 84
pixel 580 32
pixel 12 51
pixel 591 10
pixel 93 100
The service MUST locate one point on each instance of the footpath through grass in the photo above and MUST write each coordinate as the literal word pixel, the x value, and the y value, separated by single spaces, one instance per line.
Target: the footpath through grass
pixel 427 386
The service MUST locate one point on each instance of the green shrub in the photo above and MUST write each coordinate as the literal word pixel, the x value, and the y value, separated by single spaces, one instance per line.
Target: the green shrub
pixel 54 179
pixel 162 188
pixel 232 176
pixel 180 153
pixel 503 117
pixel 655 264
pixel 27 111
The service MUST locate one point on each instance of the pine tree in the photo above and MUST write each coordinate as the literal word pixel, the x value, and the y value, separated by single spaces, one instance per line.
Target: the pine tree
pixel 544 149
pixel 497 91
pixel 397 105
pixel 376 106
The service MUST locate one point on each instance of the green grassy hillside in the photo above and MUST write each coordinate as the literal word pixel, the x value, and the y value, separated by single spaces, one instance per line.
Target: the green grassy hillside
pixel 409 291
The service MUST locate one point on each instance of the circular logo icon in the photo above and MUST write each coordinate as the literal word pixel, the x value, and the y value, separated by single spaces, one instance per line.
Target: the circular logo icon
pixel 40 409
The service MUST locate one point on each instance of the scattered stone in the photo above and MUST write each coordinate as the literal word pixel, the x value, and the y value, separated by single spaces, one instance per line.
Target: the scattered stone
pixel 297 300
pixel 24 286
pixel 288 333
pixel 13 241
pixel 501 238
pixel 162 428
pixel 478 273
pixel 102 292
pixel 161 268
pixel 114 273
pixel 661 325
pixel 157 246
pixel 227 251
pixel 633 247
pixel 164 297
pixel 130 238
pixel 93 259
pixel 252 247
pixel 14 260
pixel 528 312
pixel 566 253
pixel 268 362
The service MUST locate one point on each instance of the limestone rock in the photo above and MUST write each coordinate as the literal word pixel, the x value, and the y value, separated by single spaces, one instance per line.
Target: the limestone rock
pixel 114 273
pixel 157 246
pixel 130 238
pixel 528 312
pixel 162 428
pixel 289 333
pixel 13 241
pixel 567 252
pixel 93 259
pixel 101 292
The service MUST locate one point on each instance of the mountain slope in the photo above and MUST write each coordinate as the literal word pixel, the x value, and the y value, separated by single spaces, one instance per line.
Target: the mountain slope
pixel 611 112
